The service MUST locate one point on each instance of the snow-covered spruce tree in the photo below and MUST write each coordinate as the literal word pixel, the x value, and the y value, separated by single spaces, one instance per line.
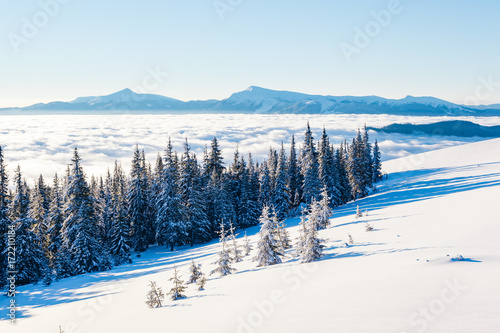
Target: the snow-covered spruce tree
pixel 325 211
pixel 247 247
pixel 265 185
pixel 55 220
pixel 269 250
pixel 79 229
pixel 154 296
pixel 196 273
pixel 342 174
pixel 327 171
pixel 223 263
pixel 137 199
pixel 4 220
pixel 30 258
pixel 314 215
pixel 272 165
pixel 192 200
pixel 281 193
pixel 254 187
pixel 377 165
pixel 309 167
pixel 368 159
pixel 284 235
pixel 197 203
pixel 38 209
pixel 170 230
pixel 248 207
pixel 280 233
pixel 120 228
pixel 178 289
pixel 310 245
pixel 149 224
pixel 235 250
pixel 105 215
pixel 357 167
pixel 294 176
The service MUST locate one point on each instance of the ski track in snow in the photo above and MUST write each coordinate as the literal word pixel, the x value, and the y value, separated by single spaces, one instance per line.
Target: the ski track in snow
pixel 401 277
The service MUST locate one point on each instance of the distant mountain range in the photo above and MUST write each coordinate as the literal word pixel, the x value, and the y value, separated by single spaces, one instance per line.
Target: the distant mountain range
pixel 450 128
pixel 266 101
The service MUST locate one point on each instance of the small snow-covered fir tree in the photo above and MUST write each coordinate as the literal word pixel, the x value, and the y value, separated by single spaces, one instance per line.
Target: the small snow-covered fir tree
pixel 314 215
pixel 196 273
pixel 281 234
pixel 177 291
pixel 235 248
pixel 376 164
pixel 223 263
pixel 302 235
pixel 325 210
pixel 358 212
pixel 268 247
pixel 246 245
pixel 310 247
pixel 201 282
pixel 155 296
pixel 351 241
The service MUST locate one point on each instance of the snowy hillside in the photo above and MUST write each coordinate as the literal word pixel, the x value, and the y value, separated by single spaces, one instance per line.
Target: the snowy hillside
pixel 400 277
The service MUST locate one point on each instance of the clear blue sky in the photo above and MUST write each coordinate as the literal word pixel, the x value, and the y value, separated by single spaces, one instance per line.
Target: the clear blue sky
pixel 89 47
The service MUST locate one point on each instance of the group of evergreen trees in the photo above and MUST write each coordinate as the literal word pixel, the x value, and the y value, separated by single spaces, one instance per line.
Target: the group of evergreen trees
pixel 78 225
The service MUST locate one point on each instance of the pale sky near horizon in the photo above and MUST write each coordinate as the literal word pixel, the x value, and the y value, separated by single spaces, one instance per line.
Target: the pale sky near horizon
pixel 59 50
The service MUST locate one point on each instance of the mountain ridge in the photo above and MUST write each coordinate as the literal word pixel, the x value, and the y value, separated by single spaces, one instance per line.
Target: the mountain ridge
pixel 256 99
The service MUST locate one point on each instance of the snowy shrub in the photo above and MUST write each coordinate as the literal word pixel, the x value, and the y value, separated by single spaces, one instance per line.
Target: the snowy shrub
pixel 177 291
pixel 155 296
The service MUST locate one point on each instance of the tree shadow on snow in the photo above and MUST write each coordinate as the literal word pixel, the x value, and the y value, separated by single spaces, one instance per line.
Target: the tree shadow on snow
pixel 411 189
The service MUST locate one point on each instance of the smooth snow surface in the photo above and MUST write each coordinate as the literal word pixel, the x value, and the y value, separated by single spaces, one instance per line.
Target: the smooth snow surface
pixel 401 277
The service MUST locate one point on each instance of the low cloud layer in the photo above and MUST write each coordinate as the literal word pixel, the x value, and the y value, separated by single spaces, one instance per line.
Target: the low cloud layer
pixel 43 144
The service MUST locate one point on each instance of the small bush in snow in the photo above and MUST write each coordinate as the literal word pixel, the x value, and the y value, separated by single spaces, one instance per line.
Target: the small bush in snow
pixel 351 241
pixel 155 296
pixel 358 212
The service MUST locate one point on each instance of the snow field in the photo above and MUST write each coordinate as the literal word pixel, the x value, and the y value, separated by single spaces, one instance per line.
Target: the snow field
pixel 399 277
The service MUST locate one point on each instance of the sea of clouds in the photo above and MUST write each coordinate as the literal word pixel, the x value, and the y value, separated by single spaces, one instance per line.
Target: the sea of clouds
pixel 43 144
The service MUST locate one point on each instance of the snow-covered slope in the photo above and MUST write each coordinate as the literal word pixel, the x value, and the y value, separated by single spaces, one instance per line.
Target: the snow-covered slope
pixel 401 277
